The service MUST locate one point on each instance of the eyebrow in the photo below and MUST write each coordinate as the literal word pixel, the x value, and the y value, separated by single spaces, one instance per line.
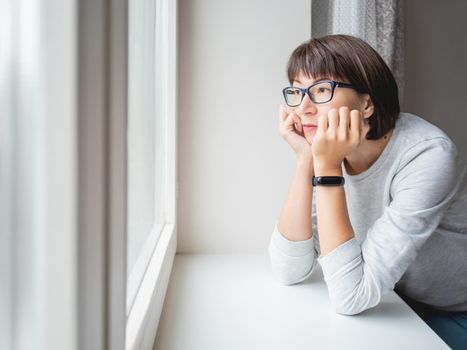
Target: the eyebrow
pixel 298 81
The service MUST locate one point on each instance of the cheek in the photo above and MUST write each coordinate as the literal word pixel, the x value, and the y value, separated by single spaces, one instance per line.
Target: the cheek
pixel 345 97
pixel 324 110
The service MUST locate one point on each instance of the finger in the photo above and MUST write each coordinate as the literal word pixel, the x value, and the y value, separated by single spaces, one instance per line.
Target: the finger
pixel 344 120
pixel 289 121
pixel 322 125
pixel 282 113
pixel 333 119
pixel 289 117
pixel 286 121
pixel 356 120
pixel 298 124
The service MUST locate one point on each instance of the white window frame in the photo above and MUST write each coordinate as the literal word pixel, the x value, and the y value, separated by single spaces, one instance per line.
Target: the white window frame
pixel 147 301
pixel 79 296
pixel 104 238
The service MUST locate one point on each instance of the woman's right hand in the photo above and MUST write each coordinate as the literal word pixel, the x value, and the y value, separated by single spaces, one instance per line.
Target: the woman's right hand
pixel 291 130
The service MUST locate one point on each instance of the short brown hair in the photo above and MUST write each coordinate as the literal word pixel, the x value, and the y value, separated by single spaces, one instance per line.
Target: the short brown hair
pixel 349 58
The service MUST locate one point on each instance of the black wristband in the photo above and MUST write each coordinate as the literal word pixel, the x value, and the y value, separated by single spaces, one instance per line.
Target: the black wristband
pixel 328 181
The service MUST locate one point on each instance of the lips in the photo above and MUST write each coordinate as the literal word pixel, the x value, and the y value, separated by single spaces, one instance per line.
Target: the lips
pixel 310 127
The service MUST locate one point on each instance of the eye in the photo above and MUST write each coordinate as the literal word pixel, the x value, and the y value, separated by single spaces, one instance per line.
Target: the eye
pixel 292 92
pixel 323 90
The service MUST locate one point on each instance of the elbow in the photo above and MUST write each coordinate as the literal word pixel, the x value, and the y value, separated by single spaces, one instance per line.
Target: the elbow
pixel 343 309
pixel 286 281
pixel 289 278
pixel 289 274
pixel 352 305
pixel 290 270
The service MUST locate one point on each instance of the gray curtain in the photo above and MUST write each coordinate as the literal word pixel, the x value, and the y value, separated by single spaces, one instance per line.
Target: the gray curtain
pixel 378 22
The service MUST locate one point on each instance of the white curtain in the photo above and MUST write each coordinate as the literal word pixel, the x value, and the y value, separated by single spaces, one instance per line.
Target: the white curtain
pixel 379 22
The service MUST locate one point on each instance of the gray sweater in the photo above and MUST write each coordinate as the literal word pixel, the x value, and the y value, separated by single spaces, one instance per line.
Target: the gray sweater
pixel 409 215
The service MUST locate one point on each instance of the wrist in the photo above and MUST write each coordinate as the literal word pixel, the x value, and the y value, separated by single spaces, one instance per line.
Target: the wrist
pixel 305 160
pixel 305 164
pixel 323 169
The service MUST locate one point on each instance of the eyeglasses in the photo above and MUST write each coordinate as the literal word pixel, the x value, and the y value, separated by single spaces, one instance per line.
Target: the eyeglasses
pixel 319 92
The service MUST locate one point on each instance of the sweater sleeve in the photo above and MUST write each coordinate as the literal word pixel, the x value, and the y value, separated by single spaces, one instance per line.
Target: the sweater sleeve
pixel 293 261
pixel 358 275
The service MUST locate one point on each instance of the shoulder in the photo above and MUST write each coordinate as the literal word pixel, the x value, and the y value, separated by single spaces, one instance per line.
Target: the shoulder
pixel 427 159
pixel 415 129
pixel 418 136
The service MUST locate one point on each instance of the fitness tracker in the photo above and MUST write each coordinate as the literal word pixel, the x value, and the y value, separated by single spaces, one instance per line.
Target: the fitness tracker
pixel 328 181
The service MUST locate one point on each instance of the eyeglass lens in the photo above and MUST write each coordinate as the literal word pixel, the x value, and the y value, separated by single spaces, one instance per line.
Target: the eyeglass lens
pixel 318 93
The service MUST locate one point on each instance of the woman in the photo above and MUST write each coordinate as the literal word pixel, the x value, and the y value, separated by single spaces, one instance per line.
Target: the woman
pixel 392 216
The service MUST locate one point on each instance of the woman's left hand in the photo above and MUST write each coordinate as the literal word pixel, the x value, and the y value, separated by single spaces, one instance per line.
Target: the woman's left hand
pixel 338 134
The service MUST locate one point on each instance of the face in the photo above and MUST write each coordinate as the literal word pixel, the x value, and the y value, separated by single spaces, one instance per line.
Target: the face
pixel 309 112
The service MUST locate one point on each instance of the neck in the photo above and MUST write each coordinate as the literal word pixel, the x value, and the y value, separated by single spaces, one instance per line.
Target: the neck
pixel 366 154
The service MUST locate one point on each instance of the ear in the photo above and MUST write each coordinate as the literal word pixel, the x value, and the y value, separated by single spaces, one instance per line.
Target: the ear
pixel 368 107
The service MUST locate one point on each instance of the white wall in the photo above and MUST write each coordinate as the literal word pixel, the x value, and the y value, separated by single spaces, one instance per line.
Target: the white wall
pixel 436 59
pixel 234 168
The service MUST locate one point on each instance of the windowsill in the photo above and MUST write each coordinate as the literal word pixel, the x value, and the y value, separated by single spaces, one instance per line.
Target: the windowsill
pixel 234 302
pixel 137 274
pixel 143 319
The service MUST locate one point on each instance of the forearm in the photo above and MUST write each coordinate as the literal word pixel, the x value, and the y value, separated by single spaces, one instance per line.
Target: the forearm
pixel 334 225
pixel 295 218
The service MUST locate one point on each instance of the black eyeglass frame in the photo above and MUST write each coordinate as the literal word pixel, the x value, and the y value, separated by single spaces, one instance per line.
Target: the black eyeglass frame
pixel 306 90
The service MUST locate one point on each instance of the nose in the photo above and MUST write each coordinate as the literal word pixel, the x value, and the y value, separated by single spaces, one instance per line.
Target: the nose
pixel 307 106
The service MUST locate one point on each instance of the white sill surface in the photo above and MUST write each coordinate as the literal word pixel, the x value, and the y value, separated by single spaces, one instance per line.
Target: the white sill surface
pixel 234 302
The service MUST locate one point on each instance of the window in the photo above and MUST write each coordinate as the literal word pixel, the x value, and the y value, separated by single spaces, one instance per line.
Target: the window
pixel 38 297
pixel 87 170
pixel 151 163
pixel 144 129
